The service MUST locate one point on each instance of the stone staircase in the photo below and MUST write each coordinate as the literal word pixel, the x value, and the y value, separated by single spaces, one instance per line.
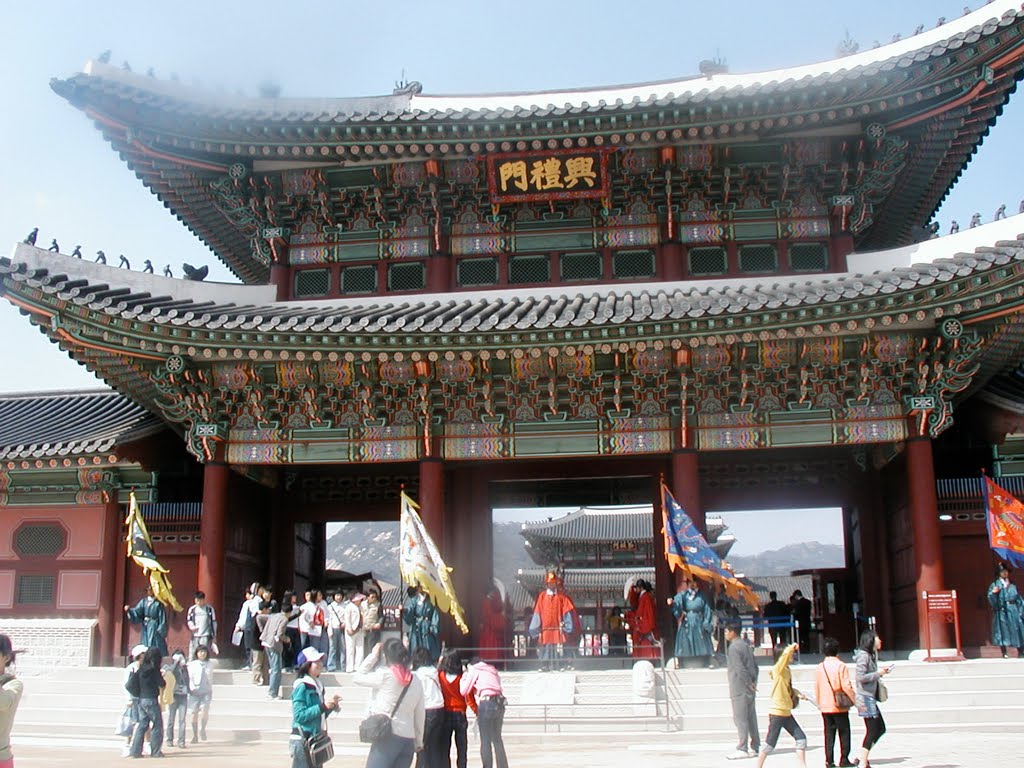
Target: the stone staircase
pixel 83 704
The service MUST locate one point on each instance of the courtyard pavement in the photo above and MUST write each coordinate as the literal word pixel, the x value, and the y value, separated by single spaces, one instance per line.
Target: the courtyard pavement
pixel 945 749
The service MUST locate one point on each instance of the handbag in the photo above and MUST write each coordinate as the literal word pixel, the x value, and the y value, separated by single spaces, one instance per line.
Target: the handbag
pixel 794 697
pixel 319 749
pixel 842 699
pixel 883 692
pixel 376 728
pixel 125 723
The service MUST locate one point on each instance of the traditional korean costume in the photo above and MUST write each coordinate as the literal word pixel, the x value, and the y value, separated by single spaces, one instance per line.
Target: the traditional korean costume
pixel 423 620
pixel 1007 625
pixel 693 612
pixel 151 614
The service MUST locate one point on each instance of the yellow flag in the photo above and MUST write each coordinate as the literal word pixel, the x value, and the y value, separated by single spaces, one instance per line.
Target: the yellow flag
pixel 421 564
pixel 140 549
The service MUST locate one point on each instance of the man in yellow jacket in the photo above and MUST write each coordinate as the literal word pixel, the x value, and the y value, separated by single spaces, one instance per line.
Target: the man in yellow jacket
pixel 780 709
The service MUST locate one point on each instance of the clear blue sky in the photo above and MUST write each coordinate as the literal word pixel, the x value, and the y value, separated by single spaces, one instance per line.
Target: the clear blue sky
pixel 59 175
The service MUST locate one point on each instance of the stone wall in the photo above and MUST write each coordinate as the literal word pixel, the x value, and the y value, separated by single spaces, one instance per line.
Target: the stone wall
pixel 43 645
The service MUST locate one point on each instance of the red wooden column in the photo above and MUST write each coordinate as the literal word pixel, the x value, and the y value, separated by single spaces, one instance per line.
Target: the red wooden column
pixel 431 499
pixel 686 486
pixel 924 520
pixel 671 258
pixel 110 609
pixel 213 531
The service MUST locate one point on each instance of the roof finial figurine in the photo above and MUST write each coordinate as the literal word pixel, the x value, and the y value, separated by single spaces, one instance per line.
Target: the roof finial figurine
pixel 897 37
pixel 933 230
pixel 126 66
pixel 876 44
pixel 954 227
pixel 150 72
pixel 942 20
pixel 1020 208
pixel 967 10
pixel 101 257
pixel 711 67
pixel 975 220
pixel 104 58
pixel 847 46
pixel 919 29
pixel 77 253
pixel 148 266
pixel 54 248
pixel 1000 212
pixel 124 263
pixel 31 238
pixel 167 271
pixel 195 273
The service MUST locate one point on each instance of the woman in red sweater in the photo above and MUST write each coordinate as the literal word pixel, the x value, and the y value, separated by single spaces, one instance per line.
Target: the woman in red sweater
pixel 453 722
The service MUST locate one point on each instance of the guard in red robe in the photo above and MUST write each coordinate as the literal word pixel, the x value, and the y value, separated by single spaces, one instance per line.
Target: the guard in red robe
pixel 644 624
pixel 492 627
pixel 552 621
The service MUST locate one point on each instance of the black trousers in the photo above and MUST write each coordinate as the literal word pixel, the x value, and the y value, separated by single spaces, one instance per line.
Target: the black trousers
pixel 837 722
pixel 431 755
pixel 454 725
pixel 875 729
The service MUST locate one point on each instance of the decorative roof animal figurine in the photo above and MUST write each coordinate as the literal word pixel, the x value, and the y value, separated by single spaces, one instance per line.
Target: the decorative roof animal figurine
pixel 148 266
pixel 975 220
pixel 77 253
pixel 711 67
pixel 31 238
pixel 195 273
pixel 104 58
pixel 1000 212
pixel 954 227
pixel 124 262
pixel 54 248
pixel 101 257
pixel 167 271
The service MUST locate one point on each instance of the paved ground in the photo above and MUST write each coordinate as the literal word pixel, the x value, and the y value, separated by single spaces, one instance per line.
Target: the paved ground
pixel 947 749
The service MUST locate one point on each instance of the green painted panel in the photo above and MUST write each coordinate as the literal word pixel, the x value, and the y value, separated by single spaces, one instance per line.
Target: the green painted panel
pixel 556 438
pixel 756 230
pixel 321 446
pixel 801 428
pixel 554 241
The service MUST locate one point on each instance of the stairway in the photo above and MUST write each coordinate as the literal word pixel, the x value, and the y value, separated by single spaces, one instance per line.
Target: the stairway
pixel 84 704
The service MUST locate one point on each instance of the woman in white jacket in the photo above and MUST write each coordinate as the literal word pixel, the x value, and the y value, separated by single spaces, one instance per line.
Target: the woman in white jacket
pixel 388 682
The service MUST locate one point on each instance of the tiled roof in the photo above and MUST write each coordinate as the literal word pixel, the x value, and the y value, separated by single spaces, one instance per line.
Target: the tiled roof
pixel 70 423
pixel 784 586
pixel 587 579
pixel 112 291
pixel 633 523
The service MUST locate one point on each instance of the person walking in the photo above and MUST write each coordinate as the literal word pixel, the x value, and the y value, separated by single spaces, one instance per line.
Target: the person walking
pixel 780 710
pixel 870 690
pixel 202 624
pixel 310 709
pixel 802 618
pixel 742 671
pixel 245 634
pixel 150 717
pixel 423 666
pixel 454 723
pixel 396 692
pixel 482 682
pixel 776 619
pixel 178 703
pixel 272 639
pixel 835 695
pixel 1007 623
pixel 200 692
pixel 131 697
pixel 259 656
pixel 11 690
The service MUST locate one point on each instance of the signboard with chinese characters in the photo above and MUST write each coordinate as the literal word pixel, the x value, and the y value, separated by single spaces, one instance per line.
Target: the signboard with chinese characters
pixel 521 177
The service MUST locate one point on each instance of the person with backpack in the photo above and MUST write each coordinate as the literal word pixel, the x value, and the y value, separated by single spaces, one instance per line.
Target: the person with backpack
pixel 146 684
pixel 178 693
pixel 202 623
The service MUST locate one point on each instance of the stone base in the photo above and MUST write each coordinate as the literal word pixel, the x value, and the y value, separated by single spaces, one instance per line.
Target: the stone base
pixel 946 654
pixel 694 662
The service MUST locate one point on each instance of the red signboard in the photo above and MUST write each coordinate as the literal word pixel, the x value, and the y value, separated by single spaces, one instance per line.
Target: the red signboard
pixel 522 177
pixel 943 604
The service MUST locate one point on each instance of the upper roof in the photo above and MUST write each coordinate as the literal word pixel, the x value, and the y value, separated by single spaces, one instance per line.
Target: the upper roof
pixel 939 91
pixel 70 423
pixel 587 524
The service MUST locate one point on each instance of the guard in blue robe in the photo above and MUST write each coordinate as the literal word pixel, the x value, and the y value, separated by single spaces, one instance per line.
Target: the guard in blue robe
pixel 423 622
pixel 693 612
pixel 151 614
pixel 1005 599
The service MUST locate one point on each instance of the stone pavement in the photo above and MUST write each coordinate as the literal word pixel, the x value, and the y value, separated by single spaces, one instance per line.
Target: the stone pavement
pixel 942 749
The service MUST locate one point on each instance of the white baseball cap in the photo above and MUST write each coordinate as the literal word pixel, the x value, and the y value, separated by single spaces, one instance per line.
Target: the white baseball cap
pixel 138 650
pixel 307 655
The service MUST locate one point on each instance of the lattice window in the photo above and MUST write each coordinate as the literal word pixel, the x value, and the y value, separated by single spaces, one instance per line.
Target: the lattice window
pixel 580 266
pixel 407 277
pixel 708 261
pixel 359 279
pixel 312 282
pixel 33 540
pixel 529 269
pixel 35 590
pixel 477 272
pixel 628 265
pixel 758 258
pixel 808 257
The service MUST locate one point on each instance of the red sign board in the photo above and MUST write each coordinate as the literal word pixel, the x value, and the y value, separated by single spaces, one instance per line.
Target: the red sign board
pixel 568 174
pixel 944 604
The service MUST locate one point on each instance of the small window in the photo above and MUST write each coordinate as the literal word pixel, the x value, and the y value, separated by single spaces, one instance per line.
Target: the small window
pixel 34 540
pixel 312 282
pixel 407 277
pixel 477 272
pixel 758 258
pixel 708 261
pixel 529 269
pixel 580 266
pixel 808 257
pixel 628 265
pixel 35 590
pixel 359 279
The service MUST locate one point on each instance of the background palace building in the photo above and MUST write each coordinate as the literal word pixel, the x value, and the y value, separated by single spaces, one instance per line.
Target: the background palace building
pixel 727 280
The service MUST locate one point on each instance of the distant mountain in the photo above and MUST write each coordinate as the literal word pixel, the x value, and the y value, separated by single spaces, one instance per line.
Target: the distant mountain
pixel 792 557
pixel 509 552
pixel 362 547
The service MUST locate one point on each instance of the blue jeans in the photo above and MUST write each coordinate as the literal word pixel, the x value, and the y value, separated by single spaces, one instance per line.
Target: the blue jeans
pixel 176 715
pixel 152 718
pixel 274 662
pixel 490 717
pixel 297 748
pixel 336 654
pixel 391 752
